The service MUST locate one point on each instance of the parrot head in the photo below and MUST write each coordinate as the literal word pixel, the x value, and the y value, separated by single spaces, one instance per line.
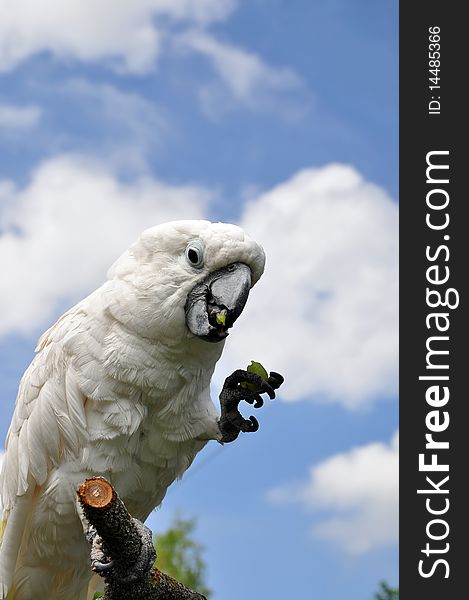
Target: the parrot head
pixel 189 278
pixel 214 304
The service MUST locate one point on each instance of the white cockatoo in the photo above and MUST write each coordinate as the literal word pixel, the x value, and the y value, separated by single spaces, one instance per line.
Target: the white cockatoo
pixel 119 387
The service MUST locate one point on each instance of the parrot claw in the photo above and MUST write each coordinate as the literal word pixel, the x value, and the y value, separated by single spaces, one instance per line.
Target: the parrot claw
pixel 101 567
pixel 146 559
pixel 100 563
pixel 275 380
pixel 242 385
pixel 104 567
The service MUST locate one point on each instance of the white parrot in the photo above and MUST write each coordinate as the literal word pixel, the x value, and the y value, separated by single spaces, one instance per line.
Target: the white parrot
pixel 119 387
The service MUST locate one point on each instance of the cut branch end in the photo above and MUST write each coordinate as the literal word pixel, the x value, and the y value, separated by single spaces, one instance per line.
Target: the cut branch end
pixel 96 492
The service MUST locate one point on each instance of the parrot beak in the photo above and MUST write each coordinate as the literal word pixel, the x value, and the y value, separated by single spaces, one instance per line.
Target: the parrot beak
pixel 215 303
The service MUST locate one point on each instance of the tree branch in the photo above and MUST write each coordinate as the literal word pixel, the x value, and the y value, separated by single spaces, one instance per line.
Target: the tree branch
pixel 123 544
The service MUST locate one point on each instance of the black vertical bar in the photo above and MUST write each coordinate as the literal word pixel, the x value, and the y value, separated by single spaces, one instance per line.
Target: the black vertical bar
pixel 433 120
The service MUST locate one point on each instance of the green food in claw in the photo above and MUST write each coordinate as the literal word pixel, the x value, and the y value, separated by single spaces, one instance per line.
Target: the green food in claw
pixel 221 318
pixel 258 369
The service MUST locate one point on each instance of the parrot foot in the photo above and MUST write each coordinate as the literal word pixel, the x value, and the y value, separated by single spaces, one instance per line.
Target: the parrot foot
pixel 242 385
pixel 100 563
pixel 103 565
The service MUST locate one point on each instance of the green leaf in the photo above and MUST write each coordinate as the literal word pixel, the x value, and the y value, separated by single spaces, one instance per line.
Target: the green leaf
pixel 258 369
pixel 386 592
pixel 180 556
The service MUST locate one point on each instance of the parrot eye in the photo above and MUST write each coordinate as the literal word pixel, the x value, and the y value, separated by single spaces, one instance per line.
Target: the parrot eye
pixel 195 254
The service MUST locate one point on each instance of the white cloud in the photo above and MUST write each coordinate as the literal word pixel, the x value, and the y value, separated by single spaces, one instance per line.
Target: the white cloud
pixel 248 80
pixel 361 487
pixel 325 312
pixel 130 37
pixel 126 125
pixel 241 71
pixel 128 33
pixel 63 231
pixel 129 110
pixel 19 117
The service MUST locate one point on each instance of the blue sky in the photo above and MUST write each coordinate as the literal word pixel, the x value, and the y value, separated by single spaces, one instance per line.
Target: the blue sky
pixel 280 116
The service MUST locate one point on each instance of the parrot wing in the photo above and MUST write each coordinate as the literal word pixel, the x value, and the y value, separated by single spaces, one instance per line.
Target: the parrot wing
pixel 49 420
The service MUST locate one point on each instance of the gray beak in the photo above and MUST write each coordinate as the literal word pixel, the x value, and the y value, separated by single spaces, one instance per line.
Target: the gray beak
pixel 215 303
